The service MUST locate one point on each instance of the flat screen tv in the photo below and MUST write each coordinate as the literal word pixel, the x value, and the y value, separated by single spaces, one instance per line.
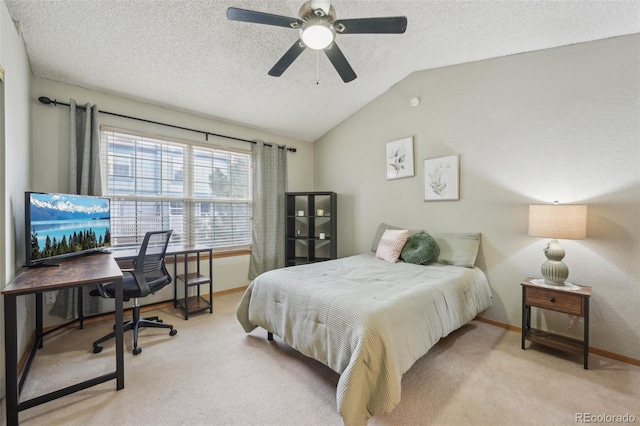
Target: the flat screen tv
pixel 62 225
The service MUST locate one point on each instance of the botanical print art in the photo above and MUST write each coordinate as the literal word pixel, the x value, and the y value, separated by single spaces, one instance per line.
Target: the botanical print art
pixel 441 178
pixel 400 158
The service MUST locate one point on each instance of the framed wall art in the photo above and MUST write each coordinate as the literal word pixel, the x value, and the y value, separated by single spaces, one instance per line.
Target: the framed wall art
pixel 399 158
pixel 441 178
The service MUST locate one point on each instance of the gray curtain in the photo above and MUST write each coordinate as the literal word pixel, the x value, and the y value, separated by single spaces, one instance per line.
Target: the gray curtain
pixel 269 187
pixel 84 179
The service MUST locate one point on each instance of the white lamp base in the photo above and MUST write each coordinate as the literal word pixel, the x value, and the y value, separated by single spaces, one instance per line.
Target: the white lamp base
pixel 554 270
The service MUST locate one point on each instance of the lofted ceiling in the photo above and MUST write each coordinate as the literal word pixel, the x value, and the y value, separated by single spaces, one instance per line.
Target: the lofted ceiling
pixel 186 55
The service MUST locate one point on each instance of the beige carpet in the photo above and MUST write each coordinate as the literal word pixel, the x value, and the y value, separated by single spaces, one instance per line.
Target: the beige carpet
pixel 212 373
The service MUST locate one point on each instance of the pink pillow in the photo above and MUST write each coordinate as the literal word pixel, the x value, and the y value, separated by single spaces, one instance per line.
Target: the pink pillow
pixel 391 244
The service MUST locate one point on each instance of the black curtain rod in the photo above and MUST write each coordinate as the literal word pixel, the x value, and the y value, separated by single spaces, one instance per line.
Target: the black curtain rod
pixel 47 101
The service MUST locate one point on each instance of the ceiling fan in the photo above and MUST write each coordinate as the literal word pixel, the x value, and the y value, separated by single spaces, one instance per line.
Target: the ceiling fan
pixel 318 28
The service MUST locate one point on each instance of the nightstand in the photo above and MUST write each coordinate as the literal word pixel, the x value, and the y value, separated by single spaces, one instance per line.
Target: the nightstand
pixel 573 300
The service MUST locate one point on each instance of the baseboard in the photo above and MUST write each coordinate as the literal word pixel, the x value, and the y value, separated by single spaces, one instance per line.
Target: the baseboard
pixel 499 324
pixel 110 316
pixel 230 290
pixel 102 317
pixel 592 350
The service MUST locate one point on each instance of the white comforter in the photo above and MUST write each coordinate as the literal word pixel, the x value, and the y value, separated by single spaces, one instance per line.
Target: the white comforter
pixel 367 319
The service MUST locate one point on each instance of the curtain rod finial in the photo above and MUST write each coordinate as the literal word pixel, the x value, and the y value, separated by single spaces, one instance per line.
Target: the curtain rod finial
pixel 45 100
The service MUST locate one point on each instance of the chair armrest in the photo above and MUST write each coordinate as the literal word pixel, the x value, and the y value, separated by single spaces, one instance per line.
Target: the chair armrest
pixel 102 291
pixel 140 279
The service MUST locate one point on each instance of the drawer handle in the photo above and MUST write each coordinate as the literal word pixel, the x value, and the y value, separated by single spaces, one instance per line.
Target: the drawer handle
pixel 552 299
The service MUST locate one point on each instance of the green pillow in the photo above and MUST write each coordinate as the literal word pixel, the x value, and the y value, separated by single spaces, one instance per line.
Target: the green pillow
pixel 458 248
pixel 420 249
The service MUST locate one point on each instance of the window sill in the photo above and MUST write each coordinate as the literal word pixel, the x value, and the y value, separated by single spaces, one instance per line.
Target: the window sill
pixel 231 253
pixel 216 255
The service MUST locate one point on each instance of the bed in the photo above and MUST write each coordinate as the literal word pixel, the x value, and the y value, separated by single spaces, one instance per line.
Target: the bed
pixel 367 319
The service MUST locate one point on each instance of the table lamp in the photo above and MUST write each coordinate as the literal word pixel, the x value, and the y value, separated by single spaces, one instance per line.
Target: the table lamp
pixel 568 221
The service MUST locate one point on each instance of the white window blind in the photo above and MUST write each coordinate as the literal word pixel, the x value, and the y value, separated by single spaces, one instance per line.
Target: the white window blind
pixel 202 193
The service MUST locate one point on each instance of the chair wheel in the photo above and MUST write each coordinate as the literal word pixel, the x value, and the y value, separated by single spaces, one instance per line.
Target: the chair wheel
pixel 97 349
pixel 136 351
pixel 173 332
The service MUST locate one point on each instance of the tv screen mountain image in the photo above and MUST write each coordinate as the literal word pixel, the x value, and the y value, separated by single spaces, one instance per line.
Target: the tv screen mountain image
pixel 65 225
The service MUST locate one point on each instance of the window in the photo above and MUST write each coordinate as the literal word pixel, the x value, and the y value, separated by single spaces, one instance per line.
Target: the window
pixel 202 193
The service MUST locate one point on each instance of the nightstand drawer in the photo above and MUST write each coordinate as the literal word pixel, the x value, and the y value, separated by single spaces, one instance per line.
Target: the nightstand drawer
pixel 561 301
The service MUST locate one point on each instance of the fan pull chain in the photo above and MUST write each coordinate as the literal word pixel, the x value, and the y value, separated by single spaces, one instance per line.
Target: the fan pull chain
pixel 317 67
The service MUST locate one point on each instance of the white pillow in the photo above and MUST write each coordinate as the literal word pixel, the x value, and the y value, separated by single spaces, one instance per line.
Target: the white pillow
pixel 391 244
pixel 381 228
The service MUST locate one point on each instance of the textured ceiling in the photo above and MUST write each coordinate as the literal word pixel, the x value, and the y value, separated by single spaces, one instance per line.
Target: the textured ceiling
pixel 187 55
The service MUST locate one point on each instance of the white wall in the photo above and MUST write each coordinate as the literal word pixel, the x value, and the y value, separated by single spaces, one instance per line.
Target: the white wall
pixel 51 132
pixel 559 124
pixel 51 148
pixel 14 175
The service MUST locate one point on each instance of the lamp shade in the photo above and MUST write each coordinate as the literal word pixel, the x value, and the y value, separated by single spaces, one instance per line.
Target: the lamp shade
pixel 564 221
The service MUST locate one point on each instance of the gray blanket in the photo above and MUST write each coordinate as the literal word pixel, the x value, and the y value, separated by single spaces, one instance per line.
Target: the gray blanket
pixel 367 319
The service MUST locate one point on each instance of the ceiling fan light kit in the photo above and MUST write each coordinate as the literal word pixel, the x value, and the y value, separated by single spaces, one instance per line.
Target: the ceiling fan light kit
pixel 318 28
pixel 317 35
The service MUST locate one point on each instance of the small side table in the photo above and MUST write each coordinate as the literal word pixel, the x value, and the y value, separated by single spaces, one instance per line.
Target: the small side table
pixel 197 303
pixel 568 300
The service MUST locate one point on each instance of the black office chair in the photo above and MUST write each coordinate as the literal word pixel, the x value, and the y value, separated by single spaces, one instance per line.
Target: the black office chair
pixel 148 275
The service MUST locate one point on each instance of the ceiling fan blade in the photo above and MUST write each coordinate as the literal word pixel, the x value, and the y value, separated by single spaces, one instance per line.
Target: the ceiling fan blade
pixel 287 59
pixel 243 15
pixel 387 25
pixel 340 63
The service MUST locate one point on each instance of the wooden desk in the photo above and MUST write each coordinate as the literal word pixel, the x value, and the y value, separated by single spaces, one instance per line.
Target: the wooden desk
pixel 72 272
pixel 188 304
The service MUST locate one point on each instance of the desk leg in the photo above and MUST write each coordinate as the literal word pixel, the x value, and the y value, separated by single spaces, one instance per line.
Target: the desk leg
pixel 175 280
pixel 81 306
pixel 119 329
pixel 186 286
pixel 210 281
pixel 39 321
pixel 11 358
pixel 198 274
